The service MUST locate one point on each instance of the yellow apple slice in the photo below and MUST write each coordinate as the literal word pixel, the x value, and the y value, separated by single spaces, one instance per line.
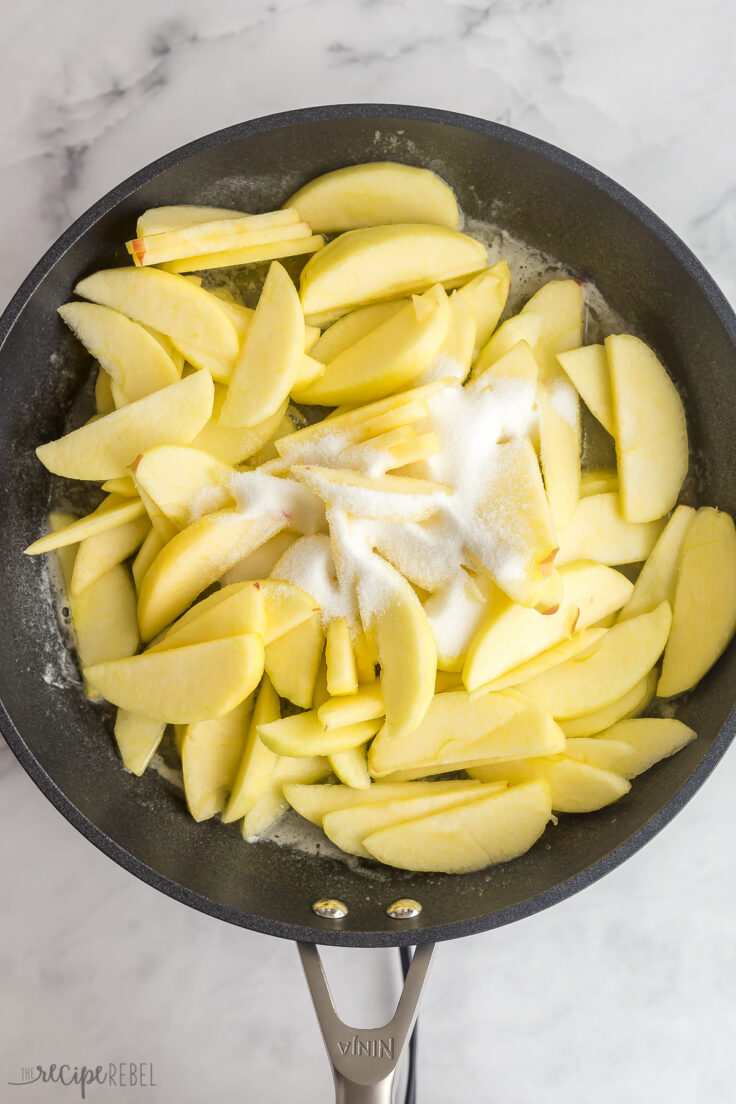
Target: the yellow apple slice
pixel 384 498
pixel 315 802
pixel 159 220
pixel 518 364
pixel 631 704
pixel 386 358
pixel 598 481
pixel 704 608
pixel 176 307
pixel 347 828
pixel 123 486
pixel 353 327
pixel 375 194
pixel 257 763
pixel 308 371
pixel 137 738
pixel 559 304
pixel 342 676
pixel 272 805
pixel 192 560
pixel 215 235
pixel 602 752
pixel 599 531
pixel 351 767
pixel 456 352
pixel 292 661
pixel 135 361
pixel 491 829
pixel 364 705
pixel 587 369
pixel 486 295
pixel 575 786
pixel 104 401
pixel 266 812
pixel 251 254
pixel 304 735
pixel 559 436
pixel 104 620
pixel 384 262
pixel 97 555
pixel 274 345
pixel 650 739
pixel 545 661
pixel 147 553
pixel 605 672
pixel 456 734
pixel 234 445
pixel 112 512
pixel 241 610
pixel 184 482
pixel 183 685
pixel 520 327
pixel 210 753
pixel 649 429
pixel 260 563
pixel 105 448
pixel 657 579
pixel 511 634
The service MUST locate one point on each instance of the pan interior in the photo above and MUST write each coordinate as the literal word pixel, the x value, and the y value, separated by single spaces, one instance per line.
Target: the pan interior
pixel 540 197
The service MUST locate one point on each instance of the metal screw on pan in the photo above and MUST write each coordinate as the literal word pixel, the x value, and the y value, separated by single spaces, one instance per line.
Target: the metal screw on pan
pixel 329 908
pixel 404 909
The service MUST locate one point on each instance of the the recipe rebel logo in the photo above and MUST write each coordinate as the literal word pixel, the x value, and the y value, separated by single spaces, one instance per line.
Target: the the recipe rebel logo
pixel 113 1075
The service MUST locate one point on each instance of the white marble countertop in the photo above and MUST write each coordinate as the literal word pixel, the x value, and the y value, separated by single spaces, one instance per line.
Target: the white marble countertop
pixel 627 990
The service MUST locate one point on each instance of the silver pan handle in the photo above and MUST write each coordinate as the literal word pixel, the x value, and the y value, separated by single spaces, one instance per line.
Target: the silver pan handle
pixel 363 1060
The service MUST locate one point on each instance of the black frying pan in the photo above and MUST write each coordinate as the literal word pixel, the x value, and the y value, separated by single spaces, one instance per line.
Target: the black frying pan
pixel 540 194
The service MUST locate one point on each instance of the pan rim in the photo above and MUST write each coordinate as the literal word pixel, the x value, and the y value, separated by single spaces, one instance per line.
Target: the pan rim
pixel 328 932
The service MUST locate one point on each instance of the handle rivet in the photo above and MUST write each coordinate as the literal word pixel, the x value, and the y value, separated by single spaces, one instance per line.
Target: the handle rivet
pixel 404 909
pixel 329 908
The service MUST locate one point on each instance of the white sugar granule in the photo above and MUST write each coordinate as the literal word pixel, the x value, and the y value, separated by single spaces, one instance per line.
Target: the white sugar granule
pixel 454 613
pixel 206 500
pixel 308 564
pixel 564 401
pixel 443 366
pixel 259 494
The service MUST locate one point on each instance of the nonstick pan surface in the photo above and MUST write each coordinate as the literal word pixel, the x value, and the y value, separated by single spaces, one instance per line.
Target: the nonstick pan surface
pixel 541 195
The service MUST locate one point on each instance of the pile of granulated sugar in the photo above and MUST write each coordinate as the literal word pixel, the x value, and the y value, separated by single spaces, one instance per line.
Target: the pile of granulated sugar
pixel 308 563
pixel 258 493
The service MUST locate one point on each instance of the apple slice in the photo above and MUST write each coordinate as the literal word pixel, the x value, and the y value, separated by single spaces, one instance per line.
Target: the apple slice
pixel 364 705
pixel 607 671
pixel 172 305
pixel 184 482
pixel 486 295
pixel 183 685
pixel 241 610
pixel 456 352
pixel 104 620
pixel 303 734
pixel 137 738
pixel 136 362
pixel 384 262
pixel 650 739
pixel 386 358
pixel 511 634
pixel 347 828
pixel 520 327
pixel 159 220
pixel 98 555
pixel 598 481
pixel 147 553
pixel 587 369
pixel 104 401
pixel 353 327
pixel 657 579
pixel 273 348
pixel 457 733
pixel 383 498
pixel 375 194
pixel 351 767
pixel 123 486
pixel 112 512
pixel 601 752
pixel 257 763
pixel 210 753
pixel 315 802
pixel 215 235
pixel 704 608
pixel 630 705
pixel 599 531
pixel 250 254
pixel 272 804
pixel 559 436
pixel 192 560
pixel 342 676
pixel 234 445
pixel 105 448
pixel 559 305
pixel 293 659
pixel 545 661
pixel 649 428
pixel 518 364
pixel 575 786
pixel 489 830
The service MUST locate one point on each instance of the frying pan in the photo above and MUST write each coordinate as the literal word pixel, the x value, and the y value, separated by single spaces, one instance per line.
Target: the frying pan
pixel 541 195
